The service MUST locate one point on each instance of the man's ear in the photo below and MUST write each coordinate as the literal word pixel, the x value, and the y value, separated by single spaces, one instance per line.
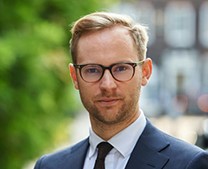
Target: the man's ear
pixel 73 75
pixel 146 71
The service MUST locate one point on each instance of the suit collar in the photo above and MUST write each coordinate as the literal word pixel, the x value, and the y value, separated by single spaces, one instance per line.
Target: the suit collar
pixel 148 152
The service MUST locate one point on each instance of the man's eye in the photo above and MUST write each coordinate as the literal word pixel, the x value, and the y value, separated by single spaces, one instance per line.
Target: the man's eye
pixel 121 68
pixel 92 70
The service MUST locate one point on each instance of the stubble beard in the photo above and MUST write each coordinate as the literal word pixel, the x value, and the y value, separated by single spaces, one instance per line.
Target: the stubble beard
pixel 123 113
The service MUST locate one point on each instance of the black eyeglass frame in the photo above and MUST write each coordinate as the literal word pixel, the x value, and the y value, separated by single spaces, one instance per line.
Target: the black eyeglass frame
pixel 133 64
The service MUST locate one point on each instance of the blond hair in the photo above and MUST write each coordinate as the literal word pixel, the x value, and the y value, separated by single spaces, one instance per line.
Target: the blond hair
pixel 101 20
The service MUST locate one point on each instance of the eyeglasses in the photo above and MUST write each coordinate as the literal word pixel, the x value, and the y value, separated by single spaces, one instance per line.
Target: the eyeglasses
pixel 120 71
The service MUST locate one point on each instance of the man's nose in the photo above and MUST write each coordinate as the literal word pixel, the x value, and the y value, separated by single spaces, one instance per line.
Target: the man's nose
pixel 107 81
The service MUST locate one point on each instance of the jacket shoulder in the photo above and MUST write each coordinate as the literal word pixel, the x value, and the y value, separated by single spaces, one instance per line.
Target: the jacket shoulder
pixel 71 157
pixel 178 153
pixel 185 154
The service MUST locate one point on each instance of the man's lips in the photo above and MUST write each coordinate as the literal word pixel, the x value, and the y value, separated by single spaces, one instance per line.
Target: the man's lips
pixel 107 101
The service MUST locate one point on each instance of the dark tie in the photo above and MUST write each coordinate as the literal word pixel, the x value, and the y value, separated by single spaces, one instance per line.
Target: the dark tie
pixel 103 149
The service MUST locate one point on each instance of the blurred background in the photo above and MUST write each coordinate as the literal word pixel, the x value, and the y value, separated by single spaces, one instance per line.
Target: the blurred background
pixel 41 112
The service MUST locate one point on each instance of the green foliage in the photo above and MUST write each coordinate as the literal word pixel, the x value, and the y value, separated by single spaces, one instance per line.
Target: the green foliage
pixel 36 95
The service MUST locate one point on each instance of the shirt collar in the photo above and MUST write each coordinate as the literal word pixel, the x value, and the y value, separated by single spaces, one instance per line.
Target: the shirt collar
pixel 124 141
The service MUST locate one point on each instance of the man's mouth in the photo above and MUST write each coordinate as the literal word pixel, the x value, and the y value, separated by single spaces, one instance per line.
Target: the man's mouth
pixel 106 102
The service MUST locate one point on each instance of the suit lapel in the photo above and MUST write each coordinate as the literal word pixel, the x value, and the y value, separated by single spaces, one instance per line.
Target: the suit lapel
pixel 148 152
pixel 78 154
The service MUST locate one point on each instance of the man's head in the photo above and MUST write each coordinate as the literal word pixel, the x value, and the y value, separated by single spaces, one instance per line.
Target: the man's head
pixel 101 20
pixel 110 66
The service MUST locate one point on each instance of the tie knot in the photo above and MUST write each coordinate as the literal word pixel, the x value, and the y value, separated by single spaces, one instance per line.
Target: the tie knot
pixel 103 149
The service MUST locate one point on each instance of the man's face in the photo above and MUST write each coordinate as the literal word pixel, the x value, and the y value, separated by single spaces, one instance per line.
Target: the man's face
pixel 109 101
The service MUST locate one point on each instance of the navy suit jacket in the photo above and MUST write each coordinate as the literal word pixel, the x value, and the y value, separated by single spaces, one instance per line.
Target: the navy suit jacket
pixel 153 150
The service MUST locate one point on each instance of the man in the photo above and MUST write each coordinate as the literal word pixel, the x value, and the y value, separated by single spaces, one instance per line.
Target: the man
pixel 109 68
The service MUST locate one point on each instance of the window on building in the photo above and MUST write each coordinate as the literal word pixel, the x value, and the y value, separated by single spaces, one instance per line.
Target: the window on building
pixel 147 15
pixel 180 20
pixel 203 24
